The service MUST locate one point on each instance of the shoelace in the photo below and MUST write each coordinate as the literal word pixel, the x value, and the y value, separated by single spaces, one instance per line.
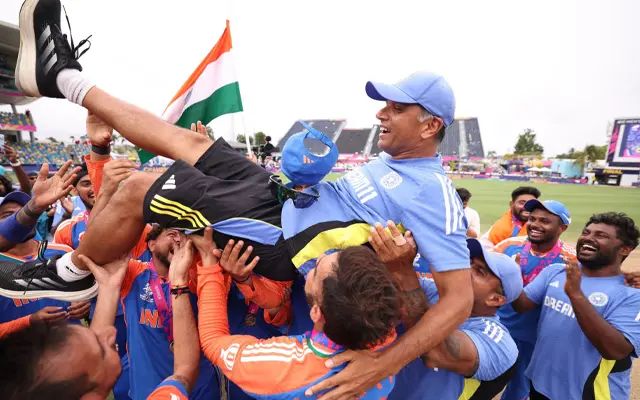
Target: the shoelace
pixel 75 49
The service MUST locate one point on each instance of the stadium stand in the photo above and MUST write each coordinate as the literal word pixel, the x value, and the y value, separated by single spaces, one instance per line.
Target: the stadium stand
pixel 462 139
pixel 353 140
pixel 52 153
pixel 330 127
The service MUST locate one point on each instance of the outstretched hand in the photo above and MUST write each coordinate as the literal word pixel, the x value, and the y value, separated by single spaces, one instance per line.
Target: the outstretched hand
pixel 100 134
pixel 47 191
pixel 236 264
pixel 110 275
pixel 209 252
pixel 181 262
pixel 393 248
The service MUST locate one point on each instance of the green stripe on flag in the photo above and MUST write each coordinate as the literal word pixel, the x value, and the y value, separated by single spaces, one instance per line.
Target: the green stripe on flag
pixel 225 100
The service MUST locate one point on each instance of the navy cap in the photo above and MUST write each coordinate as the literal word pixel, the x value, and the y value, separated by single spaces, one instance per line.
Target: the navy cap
pixel 19 197
pixel 429 90
pixel 308 156
pixel 503 266
pixel 554 207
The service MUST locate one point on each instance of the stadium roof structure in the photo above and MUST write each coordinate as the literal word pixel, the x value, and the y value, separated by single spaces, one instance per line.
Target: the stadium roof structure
pixel 462 138
pixel 9 46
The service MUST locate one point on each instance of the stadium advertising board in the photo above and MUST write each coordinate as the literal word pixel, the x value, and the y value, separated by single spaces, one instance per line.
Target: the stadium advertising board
pixel 624 147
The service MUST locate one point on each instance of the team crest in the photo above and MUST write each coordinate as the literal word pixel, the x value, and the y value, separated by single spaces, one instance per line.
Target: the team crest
pixel 598 299
pixel 147 294
pixel 391 180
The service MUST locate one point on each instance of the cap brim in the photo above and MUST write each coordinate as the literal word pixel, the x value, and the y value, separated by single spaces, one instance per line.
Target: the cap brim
pixel 534 204
pixel 382 91
pixel 21 198
pixel 476 249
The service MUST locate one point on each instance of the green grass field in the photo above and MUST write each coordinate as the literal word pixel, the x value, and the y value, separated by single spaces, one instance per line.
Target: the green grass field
pixel 491 199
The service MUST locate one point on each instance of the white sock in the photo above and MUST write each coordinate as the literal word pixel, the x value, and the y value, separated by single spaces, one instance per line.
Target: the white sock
pixel 68 271
pixel 73 85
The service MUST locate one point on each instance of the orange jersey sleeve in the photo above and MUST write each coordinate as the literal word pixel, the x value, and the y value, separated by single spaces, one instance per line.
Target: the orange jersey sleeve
pixel 170 389
pixel 95 168
pixel 258 366
pixel 503 228
pixel 264 292
pixel 134 269
pixel 7 328
pixel 64 233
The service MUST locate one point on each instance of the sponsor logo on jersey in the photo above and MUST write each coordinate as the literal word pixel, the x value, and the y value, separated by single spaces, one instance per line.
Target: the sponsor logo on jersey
pixel 229 355
pixel 365 191
pixel 560 306
pixel 147 294
pixel 555 284
pixel 493 330
pixel 170 183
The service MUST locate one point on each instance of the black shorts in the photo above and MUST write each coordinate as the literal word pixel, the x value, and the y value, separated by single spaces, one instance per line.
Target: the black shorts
pixel 230 193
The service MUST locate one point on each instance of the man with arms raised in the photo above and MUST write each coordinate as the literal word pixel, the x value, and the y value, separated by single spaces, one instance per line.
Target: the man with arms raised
pixel 535 252
pixel 589 320
pixel 406 185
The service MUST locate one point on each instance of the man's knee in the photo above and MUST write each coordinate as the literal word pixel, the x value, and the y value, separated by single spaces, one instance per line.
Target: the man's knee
pixel 133 190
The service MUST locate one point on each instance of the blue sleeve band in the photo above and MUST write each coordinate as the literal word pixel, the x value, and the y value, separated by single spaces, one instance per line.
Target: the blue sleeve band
pixel 14 231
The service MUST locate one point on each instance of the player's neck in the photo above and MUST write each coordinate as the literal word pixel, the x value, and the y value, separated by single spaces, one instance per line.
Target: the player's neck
pixel 544 247
pixel 420 152
pixel 609 270
pixel 25 249
pixel 481 310
pixel 161 269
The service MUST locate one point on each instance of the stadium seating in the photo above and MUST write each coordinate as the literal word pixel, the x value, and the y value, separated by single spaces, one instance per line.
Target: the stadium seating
pixel 330 127
pixel 10 118
pixel 52 153
pixel 353 140
pixel 462 139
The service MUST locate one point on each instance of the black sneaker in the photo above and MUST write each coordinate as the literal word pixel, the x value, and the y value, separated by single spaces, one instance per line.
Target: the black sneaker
pixel 36 279
pixel 44 50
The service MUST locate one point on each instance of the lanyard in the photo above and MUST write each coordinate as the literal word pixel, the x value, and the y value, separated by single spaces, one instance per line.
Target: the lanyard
pixel 165 310
pixel 544 261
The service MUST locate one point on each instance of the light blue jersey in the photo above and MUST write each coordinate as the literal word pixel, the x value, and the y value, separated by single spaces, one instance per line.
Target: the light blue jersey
pixel 565 365
pixel 414 193
pixel 497 352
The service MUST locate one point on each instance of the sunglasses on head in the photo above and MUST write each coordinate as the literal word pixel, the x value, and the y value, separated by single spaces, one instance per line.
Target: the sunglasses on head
pixel 300 199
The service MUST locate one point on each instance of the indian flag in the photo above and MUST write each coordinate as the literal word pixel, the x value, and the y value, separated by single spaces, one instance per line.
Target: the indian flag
pixel 212 90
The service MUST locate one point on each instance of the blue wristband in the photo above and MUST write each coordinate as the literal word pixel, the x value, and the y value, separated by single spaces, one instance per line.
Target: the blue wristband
pixel 14 231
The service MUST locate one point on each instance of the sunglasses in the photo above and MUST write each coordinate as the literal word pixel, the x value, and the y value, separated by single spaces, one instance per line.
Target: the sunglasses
pixel 300 199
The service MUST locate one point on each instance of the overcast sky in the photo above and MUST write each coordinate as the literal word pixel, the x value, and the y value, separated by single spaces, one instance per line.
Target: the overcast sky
pixel 563 68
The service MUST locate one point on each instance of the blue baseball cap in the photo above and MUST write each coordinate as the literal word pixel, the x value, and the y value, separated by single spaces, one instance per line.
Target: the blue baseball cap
pixel 17 196
pixel 308 156
pixel 429 90
pixel 503 266
pixel 554 207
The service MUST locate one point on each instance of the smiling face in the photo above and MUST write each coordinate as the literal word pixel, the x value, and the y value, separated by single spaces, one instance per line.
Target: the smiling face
pixel 544 227
pixel 517 207
pixel 403 131
pixel 85 191
pixel 599 246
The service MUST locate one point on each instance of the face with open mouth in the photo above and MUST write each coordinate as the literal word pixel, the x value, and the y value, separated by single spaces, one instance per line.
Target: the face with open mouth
pixel 399 127
pixel 598 246
pixel 543 226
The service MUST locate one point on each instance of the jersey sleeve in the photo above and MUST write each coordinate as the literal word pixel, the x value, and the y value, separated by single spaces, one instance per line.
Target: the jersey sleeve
pixel 626 319
pixel 429 288
pixel 95 168
pixel 536 290
pixel 264 292
pixel 134 269
pixel 7 328
pixel 497 352
pixel 169 389
pixel 257 366
pixel 64 233
pixel 436 219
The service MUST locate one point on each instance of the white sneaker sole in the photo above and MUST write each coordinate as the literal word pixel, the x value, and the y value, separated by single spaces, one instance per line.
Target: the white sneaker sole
pixel 51 294
pixel 25 74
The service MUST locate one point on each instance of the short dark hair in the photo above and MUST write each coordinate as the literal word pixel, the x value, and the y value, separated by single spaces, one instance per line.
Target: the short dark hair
pixel 154 233
pixel 464 194
pixel 267 138
pixel 626 228
pixel 519 191
pixel 441 133
pixel 20 360
pixel 360 301
pixel 84 171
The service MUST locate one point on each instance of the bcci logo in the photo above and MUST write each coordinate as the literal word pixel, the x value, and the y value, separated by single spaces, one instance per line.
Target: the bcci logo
pixel 391 180
pixel 147 294
pixel 598 299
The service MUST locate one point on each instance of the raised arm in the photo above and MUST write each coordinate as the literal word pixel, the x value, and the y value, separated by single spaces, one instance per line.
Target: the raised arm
pixel 186 345
pixel 109 278
pixel 46 191
pixel 16 165
pixel 609 341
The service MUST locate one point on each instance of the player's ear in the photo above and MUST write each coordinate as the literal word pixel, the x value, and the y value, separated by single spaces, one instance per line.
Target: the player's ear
pixel 496 300
pixel 316 314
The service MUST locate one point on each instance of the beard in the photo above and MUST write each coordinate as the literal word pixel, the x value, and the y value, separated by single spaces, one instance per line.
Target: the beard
pixel 597 261
pixel 163 259
pixel 522 216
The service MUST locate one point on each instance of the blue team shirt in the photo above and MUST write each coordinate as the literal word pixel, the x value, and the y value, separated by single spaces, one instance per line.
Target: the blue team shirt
pixel 563 358
pixel 78 207
pixel 11 309
pixel 497 352
pixel 413 192
pixel 150 358
pixel 522 326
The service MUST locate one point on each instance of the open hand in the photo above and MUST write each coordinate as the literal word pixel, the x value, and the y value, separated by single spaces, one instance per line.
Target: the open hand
pixel 209 252
pixel 79 310
pixel 47 191
pixel 181 262
pixel 48 314
pixel 110 275
pixel 10 153
pixel 114 172
pixel 235 264
pixel 397 251
pixel 99 132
